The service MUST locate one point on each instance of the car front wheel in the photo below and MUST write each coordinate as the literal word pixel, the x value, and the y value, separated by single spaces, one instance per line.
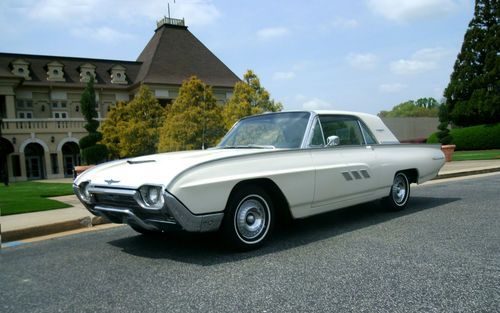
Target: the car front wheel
pixel 249 218
pixel 399 193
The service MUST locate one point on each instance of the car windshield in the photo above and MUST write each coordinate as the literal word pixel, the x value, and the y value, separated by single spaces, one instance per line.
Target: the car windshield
pixel 272 130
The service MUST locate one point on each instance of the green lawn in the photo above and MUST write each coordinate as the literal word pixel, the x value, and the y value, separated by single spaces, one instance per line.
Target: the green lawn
pixel 26 197
pixel 476 155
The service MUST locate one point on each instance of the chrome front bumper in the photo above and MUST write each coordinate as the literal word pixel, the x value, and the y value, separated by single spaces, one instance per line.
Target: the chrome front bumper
pixel 118 206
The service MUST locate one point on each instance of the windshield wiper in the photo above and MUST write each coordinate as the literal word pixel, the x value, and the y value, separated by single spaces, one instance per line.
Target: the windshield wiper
pixel 249 147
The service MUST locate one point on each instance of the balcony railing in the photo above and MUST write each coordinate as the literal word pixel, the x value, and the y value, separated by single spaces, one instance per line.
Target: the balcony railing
pixel 170 21
pixel 48 125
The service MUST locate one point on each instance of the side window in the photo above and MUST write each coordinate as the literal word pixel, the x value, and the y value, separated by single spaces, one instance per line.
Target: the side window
pixel 317 138
pixel 345 127
pixel 370 139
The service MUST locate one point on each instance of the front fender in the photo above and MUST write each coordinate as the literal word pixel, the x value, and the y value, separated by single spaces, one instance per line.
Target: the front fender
pixel 205 188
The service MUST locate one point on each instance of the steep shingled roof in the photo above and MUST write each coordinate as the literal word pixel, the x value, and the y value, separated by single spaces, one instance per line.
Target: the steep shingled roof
pixel 171 56
pixel 174 54
pixel 38 69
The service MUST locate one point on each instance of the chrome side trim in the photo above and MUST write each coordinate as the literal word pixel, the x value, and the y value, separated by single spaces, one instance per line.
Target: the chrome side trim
pixel 189 221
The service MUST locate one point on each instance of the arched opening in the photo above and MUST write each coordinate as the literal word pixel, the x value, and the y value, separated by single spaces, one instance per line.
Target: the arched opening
pixel 6 148
pixel 35 162
pixel 71 157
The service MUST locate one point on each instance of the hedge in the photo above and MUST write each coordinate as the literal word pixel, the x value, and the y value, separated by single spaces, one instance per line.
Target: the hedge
pixel 480 137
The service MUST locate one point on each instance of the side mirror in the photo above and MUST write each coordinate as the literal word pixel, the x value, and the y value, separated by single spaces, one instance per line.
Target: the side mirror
pixel 332 141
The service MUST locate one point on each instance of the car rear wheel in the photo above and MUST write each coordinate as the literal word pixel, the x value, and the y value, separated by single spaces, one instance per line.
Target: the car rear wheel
pixel 249 218
pixel 399 193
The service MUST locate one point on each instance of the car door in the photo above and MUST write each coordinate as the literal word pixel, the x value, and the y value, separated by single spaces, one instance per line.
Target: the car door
pixel 345 173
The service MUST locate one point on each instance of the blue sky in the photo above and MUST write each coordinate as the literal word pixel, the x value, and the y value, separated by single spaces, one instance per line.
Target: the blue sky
pixel 360 55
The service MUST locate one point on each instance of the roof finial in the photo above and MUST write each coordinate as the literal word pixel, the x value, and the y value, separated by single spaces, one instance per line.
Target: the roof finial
pixel 167 20
pixel 168 8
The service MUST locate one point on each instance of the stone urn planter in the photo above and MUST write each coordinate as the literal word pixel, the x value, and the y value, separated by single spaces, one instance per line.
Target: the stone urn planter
pixel 448 151
pixel 80 169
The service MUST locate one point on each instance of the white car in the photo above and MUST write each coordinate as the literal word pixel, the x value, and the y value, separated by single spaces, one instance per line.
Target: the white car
pixel 298 163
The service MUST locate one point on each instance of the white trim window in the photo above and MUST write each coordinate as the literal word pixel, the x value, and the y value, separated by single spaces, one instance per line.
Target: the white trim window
pixel 60 114
pixel 25 114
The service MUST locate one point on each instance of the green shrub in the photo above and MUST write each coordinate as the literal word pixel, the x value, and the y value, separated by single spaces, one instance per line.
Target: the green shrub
pixel 480 137
pixel 90 140
pixel 95 154
pixel 433 138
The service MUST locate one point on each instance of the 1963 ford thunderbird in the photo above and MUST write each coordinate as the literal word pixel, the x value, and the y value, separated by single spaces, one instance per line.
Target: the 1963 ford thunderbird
pixel 298 163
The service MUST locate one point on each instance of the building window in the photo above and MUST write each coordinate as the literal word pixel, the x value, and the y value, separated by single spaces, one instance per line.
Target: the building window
pixel 55 71
pixel 24 114
pixel 87 70
pixel 3 107
pixel 16 165
pixel 54 163
pixel 20 68
pixel 59 114
pixel 118 75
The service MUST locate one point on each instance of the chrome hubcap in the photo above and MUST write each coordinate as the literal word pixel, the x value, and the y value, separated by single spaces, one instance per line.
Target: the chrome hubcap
pixel 399 189
pixel 251 218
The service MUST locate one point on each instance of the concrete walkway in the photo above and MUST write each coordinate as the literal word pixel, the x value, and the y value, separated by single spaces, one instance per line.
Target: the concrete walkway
pixel 29 225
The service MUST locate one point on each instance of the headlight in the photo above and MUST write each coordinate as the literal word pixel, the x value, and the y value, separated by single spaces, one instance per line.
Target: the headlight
pixel 152 196
pixel 83 190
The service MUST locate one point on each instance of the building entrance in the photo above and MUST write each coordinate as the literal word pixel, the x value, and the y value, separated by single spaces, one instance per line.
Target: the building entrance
pixel 34 161
pixel 71 157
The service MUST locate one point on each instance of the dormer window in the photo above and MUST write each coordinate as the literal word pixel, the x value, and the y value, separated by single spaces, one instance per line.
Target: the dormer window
pixel 55 72
pixel 20 68
pixel 86 71
pixel 118 75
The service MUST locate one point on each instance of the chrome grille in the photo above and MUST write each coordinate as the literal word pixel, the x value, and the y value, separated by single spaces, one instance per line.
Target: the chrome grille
pixel 115 200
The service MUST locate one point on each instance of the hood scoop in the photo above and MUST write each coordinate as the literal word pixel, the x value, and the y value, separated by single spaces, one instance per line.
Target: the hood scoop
pixel 140 161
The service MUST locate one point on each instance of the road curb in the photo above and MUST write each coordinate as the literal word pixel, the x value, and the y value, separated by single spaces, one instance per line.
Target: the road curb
pixel 43 230
pixel 468 173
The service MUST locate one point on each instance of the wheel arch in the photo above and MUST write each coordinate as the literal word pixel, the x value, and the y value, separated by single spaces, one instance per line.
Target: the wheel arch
pixel 280 203
pixel 411 173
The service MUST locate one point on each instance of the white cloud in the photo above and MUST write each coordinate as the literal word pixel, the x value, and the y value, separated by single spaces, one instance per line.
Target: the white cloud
pixel 103 34
pixel 196 12
pixel 345 23
pixel 403 67
pixel 83 12
pixel 421 61
pixel 432 54
pixel 272 32
pixel 283 75
pixel 60 11
pixel 316 104
pixel 362 60
pixel 411 10
pixel 392 88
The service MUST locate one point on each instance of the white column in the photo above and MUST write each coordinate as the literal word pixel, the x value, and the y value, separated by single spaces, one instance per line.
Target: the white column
pixel 60 163
pixel 22 160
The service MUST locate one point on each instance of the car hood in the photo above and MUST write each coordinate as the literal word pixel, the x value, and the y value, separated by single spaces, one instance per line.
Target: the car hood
pixel 154 169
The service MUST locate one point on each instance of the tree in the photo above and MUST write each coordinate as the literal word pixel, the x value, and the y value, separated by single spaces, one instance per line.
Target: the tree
pixel 92 152
pixel 423 107
pixel 248 98
pixel 133 129
pixel 193 120
pixel 473 93
pixel 443 134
